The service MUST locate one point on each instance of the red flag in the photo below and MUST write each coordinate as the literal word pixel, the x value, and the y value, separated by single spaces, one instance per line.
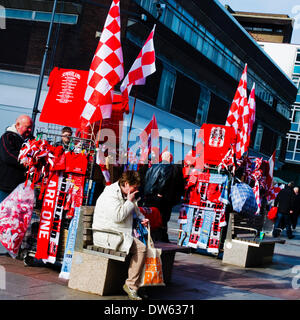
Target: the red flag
pixel 238 109
pixel 143 66
pixel 271 170
pixel 106 69
pixel 239 101
pixel 248 118
pixel 148 137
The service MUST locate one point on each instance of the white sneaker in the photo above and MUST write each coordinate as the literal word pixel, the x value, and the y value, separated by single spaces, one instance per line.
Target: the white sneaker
pixel 132 294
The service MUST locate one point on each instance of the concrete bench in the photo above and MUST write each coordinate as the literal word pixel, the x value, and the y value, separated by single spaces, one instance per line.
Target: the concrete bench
pixel 247 250
pixel 103 271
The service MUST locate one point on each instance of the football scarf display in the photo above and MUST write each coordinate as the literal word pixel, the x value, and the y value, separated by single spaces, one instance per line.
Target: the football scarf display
pixel 47 214
pixel 203 214
pixel 70 246
pixel 63 186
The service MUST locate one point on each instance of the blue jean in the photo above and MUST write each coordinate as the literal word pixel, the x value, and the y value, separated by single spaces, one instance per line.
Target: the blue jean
pixel 285 221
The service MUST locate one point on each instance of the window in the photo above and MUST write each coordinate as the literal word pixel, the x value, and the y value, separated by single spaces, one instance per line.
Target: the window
pixel 298 57
pixel 175 24
pixel 203 106
pixel 168 18
pixel 291 144
pixel 200 43
pixel 278 146
pixel 186 98
pixel 166 89
pixel 182 29
pixel 258 137
pixel 268 141
pixel 194 39
pixel 296 116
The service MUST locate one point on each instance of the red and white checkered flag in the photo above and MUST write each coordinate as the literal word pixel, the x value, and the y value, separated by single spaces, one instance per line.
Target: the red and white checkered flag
pixel 273 192
pixel 248 118
pixel 236 111
pixel 252 107
pixel 143 66
pixel 106 69
pixel 239 101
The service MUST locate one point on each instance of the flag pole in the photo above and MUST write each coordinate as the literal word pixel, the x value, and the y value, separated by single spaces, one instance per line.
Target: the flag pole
pixel 130 126
pixel 98 135
pixel 35 110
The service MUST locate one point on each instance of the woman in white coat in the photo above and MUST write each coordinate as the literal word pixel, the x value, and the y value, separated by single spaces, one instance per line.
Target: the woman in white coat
pixel 114 211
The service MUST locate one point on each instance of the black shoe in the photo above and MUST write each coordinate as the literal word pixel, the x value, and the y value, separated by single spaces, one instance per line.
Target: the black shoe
pixel 32 262
pixel 291 237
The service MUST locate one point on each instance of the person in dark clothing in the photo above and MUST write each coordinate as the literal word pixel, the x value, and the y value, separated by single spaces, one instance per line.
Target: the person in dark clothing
pixel 12 173
pixel 164 186
pixel 296 212
pixel 285 202
pixel 66 134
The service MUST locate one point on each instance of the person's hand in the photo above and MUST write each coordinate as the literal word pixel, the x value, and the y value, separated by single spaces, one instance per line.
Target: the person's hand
pixel 159 195
pixel 144 222
pixel 131 196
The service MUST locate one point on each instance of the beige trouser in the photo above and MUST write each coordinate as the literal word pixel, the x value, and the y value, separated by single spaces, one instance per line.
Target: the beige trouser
pixel 138 251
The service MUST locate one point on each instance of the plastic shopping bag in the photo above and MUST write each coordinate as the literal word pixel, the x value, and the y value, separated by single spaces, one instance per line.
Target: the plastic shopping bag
pixel 243 199
pixel 152 274
pixel 15 216
pixel 272 214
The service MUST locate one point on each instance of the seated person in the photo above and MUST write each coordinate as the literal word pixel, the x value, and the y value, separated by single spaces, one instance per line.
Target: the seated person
pixel 115 210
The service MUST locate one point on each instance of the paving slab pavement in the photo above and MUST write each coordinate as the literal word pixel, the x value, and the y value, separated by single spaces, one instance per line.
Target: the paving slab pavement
pixel 196 277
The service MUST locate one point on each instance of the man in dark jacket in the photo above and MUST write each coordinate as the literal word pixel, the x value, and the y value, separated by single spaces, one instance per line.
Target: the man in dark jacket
pixel 285 202
pixel 296 212
pixel 66 134
pixel 164 186
pixel 12 173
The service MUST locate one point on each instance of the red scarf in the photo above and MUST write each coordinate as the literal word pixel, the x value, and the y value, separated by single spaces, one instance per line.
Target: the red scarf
pixel 47 217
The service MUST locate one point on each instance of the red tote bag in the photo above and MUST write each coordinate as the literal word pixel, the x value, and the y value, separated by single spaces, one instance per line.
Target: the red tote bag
pixel 272 214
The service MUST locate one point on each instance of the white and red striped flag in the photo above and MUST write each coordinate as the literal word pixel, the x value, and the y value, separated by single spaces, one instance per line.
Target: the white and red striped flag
pixel 143 66
pixel 272 191
pixel 248 119
pixel 271 170
pixel 237 110
pixel 106 69
pixel 252 109
pixel 149 141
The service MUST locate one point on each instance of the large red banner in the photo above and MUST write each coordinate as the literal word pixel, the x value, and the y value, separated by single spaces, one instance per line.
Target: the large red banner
pixel 65 99
pixel 218 140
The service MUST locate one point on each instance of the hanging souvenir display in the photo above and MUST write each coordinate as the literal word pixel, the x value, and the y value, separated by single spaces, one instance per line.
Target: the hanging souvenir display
pixel 203 214
pixel 61 178
pixel 15 215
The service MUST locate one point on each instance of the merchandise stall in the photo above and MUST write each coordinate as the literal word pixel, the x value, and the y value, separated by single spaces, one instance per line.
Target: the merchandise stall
pixel 203 213
pixel 217 185
pixel 59 181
